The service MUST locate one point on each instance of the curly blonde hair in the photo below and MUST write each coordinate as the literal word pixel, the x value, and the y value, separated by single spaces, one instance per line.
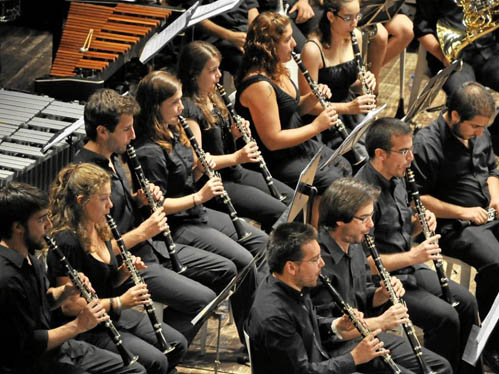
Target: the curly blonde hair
pixel 65 212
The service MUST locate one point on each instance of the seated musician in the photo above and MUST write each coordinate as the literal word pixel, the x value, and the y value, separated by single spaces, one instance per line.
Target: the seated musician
pixel 390 38
pixel 268 98
pixel 480 58
pixel 80 197
pixel 329 58
pixel 284 331
pixel 456 170
pixel 31 344
pixel 446 329
pixel 109 128
pixel 169 162
pixel 207 116
pixel 345 217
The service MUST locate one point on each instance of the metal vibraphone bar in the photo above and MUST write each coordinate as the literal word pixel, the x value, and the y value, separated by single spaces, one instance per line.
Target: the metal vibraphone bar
pixel 27 123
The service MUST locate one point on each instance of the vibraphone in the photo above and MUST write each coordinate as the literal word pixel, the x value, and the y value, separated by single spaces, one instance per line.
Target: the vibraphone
pixel 27 123
pixel 96 41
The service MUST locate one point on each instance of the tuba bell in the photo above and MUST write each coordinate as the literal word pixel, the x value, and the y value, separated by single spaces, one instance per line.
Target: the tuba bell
pixel 478 20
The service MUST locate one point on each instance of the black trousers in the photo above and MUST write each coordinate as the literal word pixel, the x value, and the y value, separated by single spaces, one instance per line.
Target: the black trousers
pixel 79 357
pixel 404 357
pixel 252 199
pixel 446 329
pixel 220 237
pixel 138 337
pixel 479 247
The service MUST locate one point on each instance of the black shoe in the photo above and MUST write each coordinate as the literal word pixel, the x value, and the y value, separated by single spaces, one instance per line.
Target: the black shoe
pixel 491 360
pixel 243 360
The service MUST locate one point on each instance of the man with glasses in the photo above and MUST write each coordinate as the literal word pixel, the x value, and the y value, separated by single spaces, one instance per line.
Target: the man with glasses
pixel 389 145
pixel 456 171
pixel 284 331
pixel 346 216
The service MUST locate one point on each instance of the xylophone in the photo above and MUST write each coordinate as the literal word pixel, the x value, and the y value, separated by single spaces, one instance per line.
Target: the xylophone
pixel 27 123
pixel 96 41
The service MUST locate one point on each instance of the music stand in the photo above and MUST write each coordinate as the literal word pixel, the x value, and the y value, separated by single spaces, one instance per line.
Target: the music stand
pixel 354 136
pixel 430 91
pixel 210 309
pixel 479 335
pixel 305 192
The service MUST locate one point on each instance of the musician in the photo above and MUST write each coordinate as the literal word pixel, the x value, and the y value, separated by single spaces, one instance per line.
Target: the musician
pixel 390 38
pixel 227 31
pixel 284 330
pixel 456 170
pixel 109 127
pixel 208 118
pixel 329 57
pixel 480 58
pixel 168 159
pixel 345 217
pixel 268 98
pixel 80 197
pixel 446 329
pixel 31 343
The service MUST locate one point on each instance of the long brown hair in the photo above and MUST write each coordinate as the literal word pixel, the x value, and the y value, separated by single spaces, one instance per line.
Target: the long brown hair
pixel 66 214
pixel 324 31
pixel 152 91
pixel 191 63
pixel 262 41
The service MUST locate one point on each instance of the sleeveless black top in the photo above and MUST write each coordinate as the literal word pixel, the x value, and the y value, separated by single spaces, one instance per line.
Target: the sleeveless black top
pixel 289 116
pixel 338 77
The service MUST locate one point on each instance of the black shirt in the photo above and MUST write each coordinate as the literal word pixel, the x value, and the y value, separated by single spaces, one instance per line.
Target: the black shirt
pixel 428 12
pixel 25 313
pixel 350 275
pixel 217 139
pixel 124 211
pixel 172 172
pixel 285 333
pixel 444 168
pixel 392 213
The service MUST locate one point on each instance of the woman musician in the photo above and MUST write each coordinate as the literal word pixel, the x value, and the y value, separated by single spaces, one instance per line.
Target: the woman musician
pixel 208 118
pixel 330 57
pixel 79 201
pixel 169 162
pixel 269 99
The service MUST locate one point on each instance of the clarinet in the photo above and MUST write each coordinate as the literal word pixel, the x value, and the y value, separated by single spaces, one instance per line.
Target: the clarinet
pixel 242 234
pixel 408 327
pixel 126 355
pixel 164 346
pixel 366 90
pixel 340 126
pixel 154 205
pixel 439 267
pixel 238 120
pixel 348 310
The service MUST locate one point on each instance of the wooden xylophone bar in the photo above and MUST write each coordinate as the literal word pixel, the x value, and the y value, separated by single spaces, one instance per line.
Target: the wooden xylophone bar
pixel 116 29
pixel 28 122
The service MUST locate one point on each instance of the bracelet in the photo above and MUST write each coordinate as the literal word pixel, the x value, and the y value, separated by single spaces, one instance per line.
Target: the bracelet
pixel 194 199
pixel 111 308
pixel 118 309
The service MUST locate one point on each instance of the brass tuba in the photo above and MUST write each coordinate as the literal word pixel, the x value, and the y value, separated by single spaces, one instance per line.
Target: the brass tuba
pixel 478 20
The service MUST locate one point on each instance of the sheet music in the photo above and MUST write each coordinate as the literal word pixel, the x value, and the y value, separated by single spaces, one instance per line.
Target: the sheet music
pixel 479 335
pixel 210 10
pixel 354 136
pixel 158 41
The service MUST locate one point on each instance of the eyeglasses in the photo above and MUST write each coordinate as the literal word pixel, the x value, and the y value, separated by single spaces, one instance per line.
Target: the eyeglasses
pixel 314 260
pixel 365 218
pixel 350 18
pixel 404 152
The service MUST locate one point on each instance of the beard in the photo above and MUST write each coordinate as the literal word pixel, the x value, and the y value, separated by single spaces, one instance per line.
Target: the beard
pixel 31 244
